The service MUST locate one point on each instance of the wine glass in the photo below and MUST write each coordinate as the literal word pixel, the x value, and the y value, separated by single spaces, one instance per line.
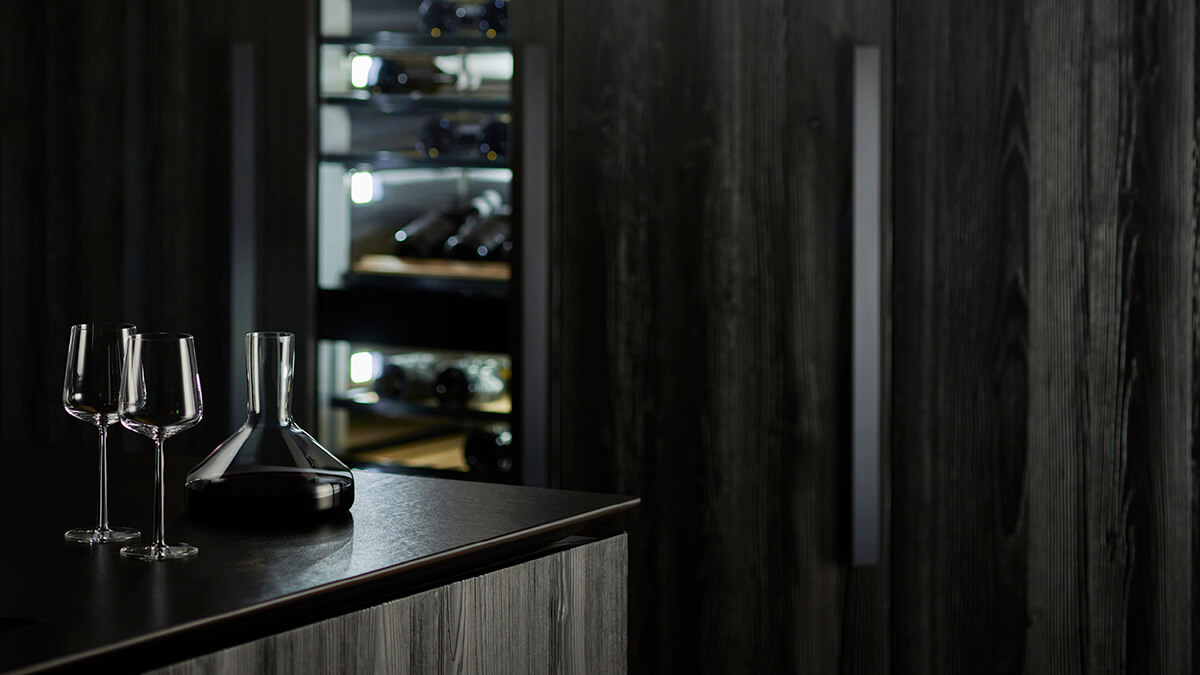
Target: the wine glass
pixel 160 397
pixel 91 388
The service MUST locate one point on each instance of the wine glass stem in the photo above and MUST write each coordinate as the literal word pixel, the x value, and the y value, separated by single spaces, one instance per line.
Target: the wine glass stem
pixel 103 526
pixel 159 538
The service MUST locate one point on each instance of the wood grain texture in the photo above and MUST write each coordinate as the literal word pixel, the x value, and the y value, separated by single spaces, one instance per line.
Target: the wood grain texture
pixel 561 613
pixel 960 317
pixel 1045 337
pixel 85 608
pixel 699 321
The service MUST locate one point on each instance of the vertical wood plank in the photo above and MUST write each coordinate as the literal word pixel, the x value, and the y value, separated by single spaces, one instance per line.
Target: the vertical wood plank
pixel 1057 416
pixel 1127 187
pixel 961 338
pixel 1045 337
pixel 1163 178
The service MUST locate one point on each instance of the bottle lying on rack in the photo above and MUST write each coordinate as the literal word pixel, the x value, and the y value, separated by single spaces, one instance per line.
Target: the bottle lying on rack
pixel 455 137
pixel 471 381
pixel 493 140
pixel 493 18
pixel 407 377
pixel 445 17
pixel 426 235
pixel 400 75
pixel 487 238
pixel 444 137
pixel 489 451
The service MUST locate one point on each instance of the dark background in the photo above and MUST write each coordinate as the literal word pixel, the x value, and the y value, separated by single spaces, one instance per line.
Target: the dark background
pixel 1043 271
pixel 119 161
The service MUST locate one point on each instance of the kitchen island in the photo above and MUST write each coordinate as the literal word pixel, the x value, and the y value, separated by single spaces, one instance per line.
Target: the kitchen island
pixel 423 575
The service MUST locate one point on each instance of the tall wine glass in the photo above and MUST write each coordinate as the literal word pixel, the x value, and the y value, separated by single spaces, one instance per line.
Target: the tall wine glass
pixel 160 397
pixel 91 388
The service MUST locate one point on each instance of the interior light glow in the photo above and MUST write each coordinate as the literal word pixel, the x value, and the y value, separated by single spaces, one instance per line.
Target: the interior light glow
pixel 360 70
pixel 488 66
pixel 362 367
pixel 362 187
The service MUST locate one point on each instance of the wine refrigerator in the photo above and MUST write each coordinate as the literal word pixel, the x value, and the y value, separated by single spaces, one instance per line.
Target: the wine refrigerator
pixel 421 242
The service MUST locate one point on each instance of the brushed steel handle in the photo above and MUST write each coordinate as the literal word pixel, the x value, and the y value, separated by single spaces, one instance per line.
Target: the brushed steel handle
pixel 867 307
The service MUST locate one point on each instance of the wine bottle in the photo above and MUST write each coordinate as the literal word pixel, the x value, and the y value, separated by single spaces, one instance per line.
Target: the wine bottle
pixel 469 381
pixel 426 236
pixel 488 238
pixel 489 451
pixel 442 136
pixel 415 73
pixel 407 377
pixel 440 17
pixel 493 140
pixel 491 202
pixel 486 204
pixel 445 17
pixel 493 18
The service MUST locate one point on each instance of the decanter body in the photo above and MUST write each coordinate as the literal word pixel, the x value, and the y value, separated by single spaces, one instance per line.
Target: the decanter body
pixel 270 467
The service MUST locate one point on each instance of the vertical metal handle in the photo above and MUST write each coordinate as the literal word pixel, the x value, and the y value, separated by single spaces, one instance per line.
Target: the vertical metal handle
pixel 867 319
pixel 534 259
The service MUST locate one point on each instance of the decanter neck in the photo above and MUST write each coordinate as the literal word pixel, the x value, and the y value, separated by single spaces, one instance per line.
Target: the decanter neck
pixel 270 359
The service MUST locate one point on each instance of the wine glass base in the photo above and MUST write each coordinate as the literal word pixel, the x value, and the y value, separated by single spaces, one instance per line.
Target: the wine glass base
pixel 97 536
pixel 160 551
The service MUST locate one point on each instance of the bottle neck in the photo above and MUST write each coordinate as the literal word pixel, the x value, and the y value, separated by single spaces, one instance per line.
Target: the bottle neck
pixel 269 362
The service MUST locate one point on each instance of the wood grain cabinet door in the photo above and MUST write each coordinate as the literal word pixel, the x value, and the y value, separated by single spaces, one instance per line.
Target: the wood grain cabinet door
pixel 700 319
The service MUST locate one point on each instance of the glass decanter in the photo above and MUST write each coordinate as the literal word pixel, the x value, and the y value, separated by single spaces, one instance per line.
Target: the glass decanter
pixel 270 467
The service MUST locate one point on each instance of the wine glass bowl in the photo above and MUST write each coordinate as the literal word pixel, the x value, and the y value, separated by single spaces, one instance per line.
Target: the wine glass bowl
pixel 159 397
pixel 91 392
pixel 166 423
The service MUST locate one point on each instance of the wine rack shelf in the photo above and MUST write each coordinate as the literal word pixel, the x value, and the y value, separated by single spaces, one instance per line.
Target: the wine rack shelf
pixel 441 453
pixel 419 104
pixel 390 265
pixel 387 41
pixel 367 401
pixel 387 271
pixel 435 284
pixel 387 159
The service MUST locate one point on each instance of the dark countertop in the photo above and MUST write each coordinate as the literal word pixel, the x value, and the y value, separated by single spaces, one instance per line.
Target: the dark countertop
pixel 73 605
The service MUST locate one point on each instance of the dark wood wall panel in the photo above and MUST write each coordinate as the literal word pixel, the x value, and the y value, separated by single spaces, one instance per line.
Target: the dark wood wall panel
pixel 1045 335
pixel 54 196
pixel 283 34
pixel 700 319
pixel 184 282
pixel 115 189
pixel 21 125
